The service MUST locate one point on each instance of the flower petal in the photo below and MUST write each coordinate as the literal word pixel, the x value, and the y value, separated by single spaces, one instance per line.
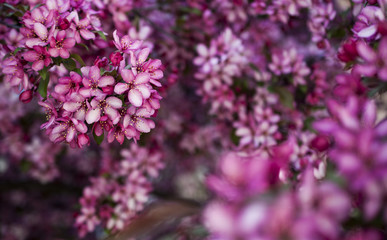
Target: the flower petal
pixel 142 78
pixel 38 65
pixel 120 88
pixel 94 73
pixel 105 81
pixel 41 31
pixel 69 43
pixel 127 75
pixel 114 102
pixel 143 55
pixel 135 97
pixel 71 106
pixel 86 34
pixel 93 115
pixel 31 56
pixel 142 126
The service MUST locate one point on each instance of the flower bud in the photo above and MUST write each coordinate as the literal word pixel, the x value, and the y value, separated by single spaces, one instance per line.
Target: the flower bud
pixel 83 140
pixel 101 62
pixel 116 58
pixel 63 23
pixel 320 143
pixel 26 96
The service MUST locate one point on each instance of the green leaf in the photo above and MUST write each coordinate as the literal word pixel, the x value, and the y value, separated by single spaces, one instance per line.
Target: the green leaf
pixel 17 50
pixel 101 34
pixel 11 7
pixel 84 45
pixel 57 60
pixel 252 65
pixel 25 165
pixel 45 79
pixel 78 58
pixel 69 64
pixel 285 96
pixel 37 5
pixel 98 139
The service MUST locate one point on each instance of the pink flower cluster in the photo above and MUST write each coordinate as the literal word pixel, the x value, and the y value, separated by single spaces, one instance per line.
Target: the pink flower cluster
pixel 118 194
pixel 240 211
pixel 115 97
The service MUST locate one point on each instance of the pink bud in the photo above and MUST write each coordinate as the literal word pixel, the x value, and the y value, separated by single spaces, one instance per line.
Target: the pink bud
pixel 382 28
pixel 83 139
pixel 108 90
pixel 26 96
pixel 101 62
pixel 115 58
pixel 320 143
pixel 64 23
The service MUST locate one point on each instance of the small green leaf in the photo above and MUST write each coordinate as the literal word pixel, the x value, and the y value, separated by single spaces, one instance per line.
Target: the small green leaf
pixel 285 96
pixel 25 165
pixel 45 79
pixel 69 64
pixel 252 65
pixel 101 34
pixel 57 60
pixel 17 50
pixel 11 7
pixel 78 58
pixel 37 5
pixel 98 139
pixel 84 45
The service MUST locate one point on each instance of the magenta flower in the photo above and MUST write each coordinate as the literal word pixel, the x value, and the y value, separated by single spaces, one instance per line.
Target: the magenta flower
pixel 137 119
pixel 67 130
pixel 152 66
pixel 104 123
pixel 80 27
pixel 106 106
pixel 88 218
pixel 68 85
pixel 117 132
pixel 60 46
pixel 51 113
pixel 366 25
pixel 77 104
pixel 375 63
pixel 125 45
pixel 42 36
pixel 39 56
pixel 39 15
pixel 137 86
pixel 116 58
pixel 92 81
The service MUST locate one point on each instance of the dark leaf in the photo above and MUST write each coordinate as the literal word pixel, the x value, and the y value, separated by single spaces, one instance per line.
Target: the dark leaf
pixel 78 58
pixel 69 64
pixel 44 80
pixel 98 139
pixel 101 34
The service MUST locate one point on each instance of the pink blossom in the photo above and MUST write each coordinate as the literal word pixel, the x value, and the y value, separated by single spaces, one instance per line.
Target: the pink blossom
pixel 374 62
pixel 125 45
pixel 137 87
pixel 67 129
pixel 39 56
pixel 60 45
pixel 92 82
pixel 106 106
pixel 80 27
pixel 43 36
pixel 68 85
